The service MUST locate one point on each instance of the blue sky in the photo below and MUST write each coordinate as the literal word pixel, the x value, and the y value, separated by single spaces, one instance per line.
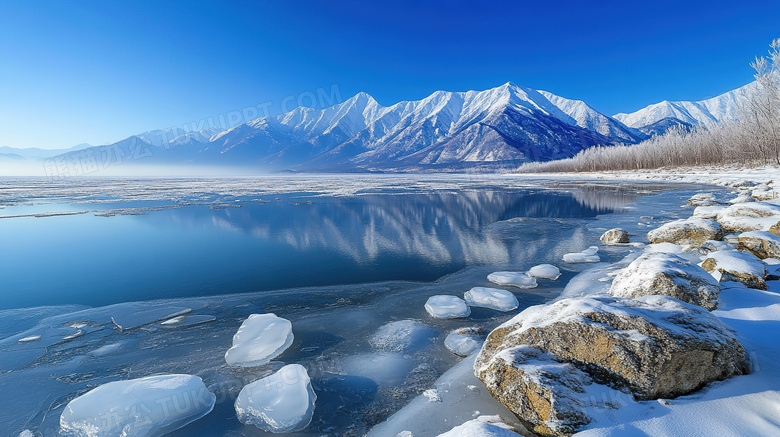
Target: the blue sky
pixel 97 72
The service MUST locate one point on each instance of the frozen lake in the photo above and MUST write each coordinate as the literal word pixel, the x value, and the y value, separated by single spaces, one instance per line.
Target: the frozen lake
pixel 340 257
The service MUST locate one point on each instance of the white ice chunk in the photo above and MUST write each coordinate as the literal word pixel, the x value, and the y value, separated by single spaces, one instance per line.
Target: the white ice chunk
pixel 261 338
pixel 184 321
pixel 545 271
pixel 491 298
pixel 515 279
pixel 445 306
pixel 30 339
pixel 401 336
pixel 462 342
pixel 26 433
pixel 280 403
pixel 589 255
pixel 144 407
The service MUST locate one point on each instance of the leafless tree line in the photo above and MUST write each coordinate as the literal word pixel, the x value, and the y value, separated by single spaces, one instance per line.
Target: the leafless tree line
pixel 753 138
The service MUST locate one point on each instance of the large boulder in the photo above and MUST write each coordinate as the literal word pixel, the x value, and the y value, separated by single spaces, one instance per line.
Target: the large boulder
pixel 745 217
pixel 547 394
pixel 655 346
pixel 615 236
pixel 734 265
pixel 760 243
pixel 656 273
pixel 688 231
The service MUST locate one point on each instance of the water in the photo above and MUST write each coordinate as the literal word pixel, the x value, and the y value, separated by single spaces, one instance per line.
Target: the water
pixel 339 257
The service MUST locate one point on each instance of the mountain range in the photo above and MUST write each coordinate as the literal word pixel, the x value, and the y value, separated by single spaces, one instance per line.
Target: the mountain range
pixel 498 127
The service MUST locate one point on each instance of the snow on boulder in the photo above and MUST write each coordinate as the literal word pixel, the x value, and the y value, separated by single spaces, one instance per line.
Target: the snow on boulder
pixel 743 197
pixel 589 255
pixel 655 346
pixel 714 246
pixel 444 306
pixel 550 396
pixel 261 338
pixel 491 298
pixel 687 231
pixel 734 265
pixel 656 273
pixel 462 342
pixel 515 279
pixel 614 236
pixel 482 426
pixel 401 336
pixel 745 217
pixel 760 243
pixel 707 212
pixel 545 271
pixel 703 199
pixel 280 403
pixel 764 192
pixel 144 407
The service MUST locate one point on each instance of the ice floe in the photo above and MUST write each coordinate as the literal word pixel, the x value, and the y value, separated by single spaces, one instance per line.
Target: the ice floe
pixel 491 298
pixel 463 341
pixel 589 255
pixel 401 336
pixel 144 407
pixel 261 338
pixel 280 403
pixel 444 306
pixel 545 271
pixel 515 279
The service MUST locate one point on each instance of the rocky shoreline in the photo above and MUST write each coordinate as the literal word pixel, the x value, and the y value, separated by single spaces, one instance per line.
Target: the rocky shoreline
pixel 652 336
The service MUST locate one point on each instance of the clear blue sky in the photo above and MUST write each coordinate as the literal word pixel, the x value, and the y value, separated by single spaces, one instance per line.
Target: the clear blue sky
pixel 84 71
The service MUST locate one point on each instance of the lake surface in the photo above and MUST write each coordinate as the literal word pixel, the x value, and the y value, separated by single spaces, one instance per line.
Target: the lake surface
pixel 236 244
pixel 340 257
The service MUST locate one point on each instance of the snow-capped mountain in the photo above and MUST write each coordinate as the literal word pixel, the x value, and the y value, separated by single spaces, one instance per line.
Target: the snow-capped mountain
pixel 702 113
pixel 506 124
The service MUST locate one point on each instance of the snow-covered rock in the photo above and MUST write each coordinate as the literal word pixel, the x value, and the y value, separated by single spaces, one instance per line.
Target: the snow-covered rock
pixel 761 243
pixel 401 336
pixel 515 279
pixel 703 199
pixel 462 342
pixel 656 273
pixel 614 236
pixel 549 395
pixel 686 231
pixel 589 255
pixel 745 217
pixel 656 346
pixel 144 407
pixel 707 212
pixel 743 198
pixel 444 306
pixel 714 246
pixel 545 271
pixel 261 338
pixel 491 298
pixel 481 427
pixel 280 403
pixel 734 265
pixel 764 192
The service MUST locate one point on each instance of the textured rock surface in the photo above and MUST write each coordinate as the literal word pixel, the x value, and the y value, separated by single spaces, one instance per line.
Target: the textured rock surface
pixel 656 273
pixel 760 243
pixel 733 265
pixel 615 236
pixel 655 346
pixel 550 396
pixel 690 231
